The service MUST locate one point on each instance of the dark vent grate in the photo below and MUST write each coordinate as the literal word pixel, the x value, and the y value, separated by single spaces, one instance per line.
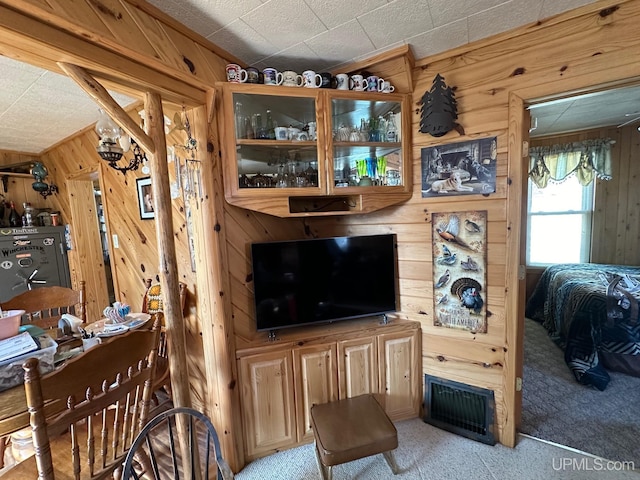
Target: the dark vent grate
pixel 459 408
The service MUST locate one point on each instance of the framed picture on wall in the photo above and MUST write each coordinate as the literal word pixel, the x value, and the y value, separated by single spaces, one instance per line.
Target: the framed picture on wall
pixel 145 198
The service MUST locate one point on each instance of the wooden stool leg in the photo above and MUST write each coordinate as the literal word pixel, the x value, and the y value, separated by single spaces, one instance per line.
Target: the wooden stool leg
pixel 325 472
pixel 391 461
pixel 3 447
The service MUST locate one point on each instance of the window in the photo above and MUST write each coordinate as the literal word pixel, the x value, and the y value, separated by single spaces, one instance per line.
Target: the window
pixel 559 222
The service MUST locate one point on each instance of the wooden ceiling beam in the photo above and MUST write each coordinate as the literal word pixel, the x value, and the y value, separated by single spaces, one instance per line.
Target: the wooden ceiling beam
pixel 30 36
pixel 102 98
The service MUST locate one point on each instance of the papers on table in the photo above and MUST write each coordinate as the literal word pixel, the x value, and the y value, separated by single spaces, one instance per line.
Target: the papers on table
pixel 16 346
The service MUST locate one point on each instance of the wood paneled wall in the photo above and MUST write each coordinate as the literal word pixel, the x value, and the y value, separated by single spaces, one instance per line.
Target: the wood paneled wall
pixel 19 188
pixel 593 45
pixel 615 231
pixel 616 219
pixel 136 258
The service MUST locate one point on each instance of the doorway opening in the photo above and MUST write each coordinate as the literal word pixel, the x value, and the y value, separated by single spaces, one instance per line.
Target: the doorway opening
pixel 555 406
pixel 104 241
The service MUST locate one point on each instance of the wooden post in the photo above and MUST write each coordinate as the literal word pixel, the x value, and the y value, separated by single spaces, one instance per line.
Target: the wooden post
pixel 213 308
pixel 168 268
pixel 155 145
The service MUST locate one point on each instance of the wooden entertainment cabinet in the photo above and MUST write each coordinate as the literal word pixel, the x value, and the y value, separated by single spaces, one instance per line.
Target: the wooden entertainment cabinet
pixel 281 379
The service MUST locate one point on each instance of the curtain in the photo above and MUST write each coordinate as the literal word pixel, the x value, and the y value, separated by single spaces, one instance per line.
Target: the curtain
pixel 587 159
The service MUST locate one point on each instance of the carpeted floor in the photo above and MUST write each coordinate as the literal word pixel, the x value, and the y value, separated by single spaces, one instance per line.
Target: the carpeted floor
pixel 427 453
pixel 557 408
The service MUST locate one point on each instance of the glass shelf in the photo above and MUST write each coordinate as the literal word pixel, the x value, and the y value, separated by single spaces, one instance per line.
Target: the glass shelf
pixel 360 150
pixel 313 162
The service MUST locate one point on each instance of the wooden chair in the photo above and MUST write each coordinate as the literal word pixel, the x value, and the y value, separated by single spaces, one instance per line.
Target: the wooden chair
pixel 152 303
pixel 87 413
pixel 45 305
pixel 177 440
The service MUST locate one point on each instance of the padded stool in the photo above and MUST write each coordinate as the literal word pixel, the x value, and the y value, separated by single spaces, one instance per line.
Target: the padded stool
pixel 350 429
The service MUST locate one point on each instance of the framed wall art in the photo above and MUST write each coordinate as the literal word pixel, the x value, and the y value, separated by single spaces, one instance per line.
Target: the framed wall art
pixel 463 168
pixel 459 270
pixel 145 198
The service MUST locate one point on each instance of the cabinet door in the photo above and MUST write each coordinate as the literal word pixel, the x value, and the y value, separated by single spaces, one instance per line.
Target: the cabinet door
pixel 399 356
pixel 368 147
pixel 357 367
pixel 316 382
pixel 267 402
pixel 273 136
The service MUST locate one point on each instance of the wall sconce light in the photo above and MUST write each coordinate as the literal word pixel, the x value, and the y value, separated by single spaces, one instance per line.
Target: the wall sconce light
pixel 39 172
pixel 114 143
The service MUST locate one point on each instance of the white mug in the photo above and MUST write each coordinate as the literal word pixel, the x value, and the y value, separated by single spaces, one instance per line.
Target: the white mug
pixel 292 79
pixel 89 343
pixel 292 133
pixel 282 133
pixel 386 87
pixel 70 322
pixel 357 83
pixel 235 73
pixel 311 79
pixel 342 81
pixel 312 130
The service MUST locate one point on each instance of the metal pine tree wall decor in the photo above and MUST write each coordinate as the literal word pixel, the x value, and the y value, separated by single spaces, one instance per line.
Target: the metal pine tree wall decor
pixel 439 110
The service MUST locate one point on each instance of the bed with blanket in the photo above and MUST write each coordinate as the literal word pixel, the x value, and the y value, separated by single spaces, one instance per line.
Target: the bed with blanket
pixel 591 312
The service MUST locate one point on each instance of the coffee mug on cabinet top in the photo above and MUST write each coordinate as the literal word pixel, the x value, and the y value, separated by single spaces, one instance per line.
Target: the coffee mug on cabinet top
pixel 357 83
pixel 253 75
pixel 292 79
pixel 271 76
pixel 386 87
pixel 327 80
pixel 311 79
pixel 342 81
pixel 373 83
pixel 235 73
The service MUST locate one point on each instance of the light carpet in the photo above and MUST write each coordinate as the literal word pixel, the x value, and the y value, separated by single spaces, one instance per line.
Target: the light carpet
pixel 427 453
pixel 556 407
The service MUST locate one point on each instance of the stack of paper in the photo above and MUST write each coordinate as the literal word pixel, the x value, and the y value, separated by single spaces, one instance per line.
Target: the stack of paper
pixel 16 346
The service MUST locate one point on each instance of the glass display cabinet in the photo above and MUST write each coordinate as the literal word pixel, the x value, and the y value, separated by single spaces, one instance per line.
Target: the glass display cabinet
pixel 292 151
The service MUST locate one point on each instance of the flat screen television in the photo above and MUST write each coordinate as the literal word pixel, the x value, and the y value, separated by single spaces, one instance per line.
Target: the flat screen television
pixel 323 280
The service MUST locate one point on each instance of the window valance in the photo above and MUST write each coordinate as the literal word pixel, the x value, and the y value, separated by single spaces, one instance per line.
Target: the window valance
pixel 587 159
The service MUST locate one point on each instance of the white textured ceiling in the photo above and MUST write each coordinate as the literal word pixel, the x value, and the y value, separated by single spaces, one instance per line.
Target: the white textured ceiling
pixel 324 34
pixel 39 108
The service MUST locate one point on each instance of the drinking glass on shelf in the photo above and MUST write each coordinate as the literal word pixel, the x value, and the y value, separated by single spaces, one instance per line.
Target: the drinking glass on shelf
pixel 312 175
pixel 301 179
pixel 374 135
pixel 381 169
pixel 282 178
pixel 261 181
pixel 371 164
pixel 244 181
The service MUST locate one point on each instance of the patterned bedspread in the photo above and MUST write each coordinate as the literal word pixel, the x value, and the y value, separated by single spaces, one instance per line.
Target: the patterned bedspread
pixel 587 308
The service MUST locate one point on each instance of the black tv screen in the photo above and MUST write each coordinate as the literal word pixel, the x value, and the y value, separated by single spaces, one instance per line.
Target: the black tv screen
pixel 322 280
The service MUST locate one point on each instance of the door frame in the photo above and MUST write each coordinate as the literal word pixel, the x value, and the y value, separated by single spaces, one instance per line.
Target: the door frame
pixel 518 145
pixel 86 227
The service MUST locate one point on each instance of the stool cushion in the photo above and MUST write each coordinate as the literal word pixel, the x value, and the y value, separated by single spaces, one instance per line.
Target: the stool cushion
pixel 352 428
